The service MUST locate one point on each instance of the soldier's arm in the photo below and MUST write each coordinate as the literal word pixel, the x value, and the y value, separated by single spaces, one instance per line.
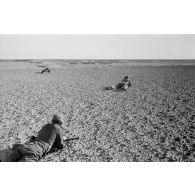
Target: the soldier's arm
pixel 59 142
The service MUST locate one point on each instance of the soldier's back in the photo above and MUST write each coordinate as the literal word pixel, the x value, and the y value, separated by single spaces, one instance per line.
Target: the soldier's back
pixel 47 133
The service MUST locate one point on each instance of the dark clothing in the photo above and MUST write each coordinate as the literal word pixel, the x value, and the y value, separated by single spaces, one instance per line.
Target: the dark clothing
pixel 124 84
pixel 34 151
pixel 50 136
pixel 45 70
pixel 10 155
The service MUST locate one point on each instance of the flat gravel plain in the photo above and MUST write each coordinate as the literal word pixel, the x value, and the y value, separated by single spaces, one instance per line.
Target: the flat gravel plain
pixel 154 120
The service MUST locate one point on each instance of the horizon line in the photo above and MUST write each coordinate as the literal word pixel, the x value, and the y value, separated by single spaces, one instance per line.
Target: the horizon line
pixel 97 59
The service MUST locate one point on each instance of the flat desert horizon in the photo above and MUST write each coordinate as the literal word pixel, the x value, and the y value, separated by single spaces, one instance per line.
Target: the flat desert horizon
pixel 153 121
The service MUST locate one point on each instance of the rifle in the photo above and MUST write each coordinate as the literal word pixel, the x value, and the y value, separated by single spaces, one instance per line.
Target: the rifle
pixel 66 140
pixel 71 139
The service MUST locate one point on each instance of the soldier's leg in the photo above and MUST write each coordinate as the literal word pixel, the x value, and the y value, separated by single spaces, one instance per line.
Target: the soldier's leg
pixel 33 151
pixel 29 153
pixel 15 156
pixel 119 86
pixel 29 158
pixel 10 155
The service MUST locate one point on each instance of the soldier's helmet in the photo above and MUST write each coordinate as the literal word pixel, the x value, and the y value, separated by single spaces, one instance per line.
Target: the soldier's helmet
pixel 126 77
pixel 57 118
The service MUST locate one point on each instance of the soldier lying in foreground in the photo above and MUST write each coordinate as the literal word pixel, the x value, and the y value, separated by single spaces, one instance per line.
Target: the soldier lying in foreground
pixel 123 85
pixel 49 138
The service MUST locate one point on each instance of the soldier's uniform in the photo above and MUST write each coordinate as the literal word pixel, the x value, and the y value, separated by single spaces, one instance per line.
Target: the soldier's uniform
pixel 50 136
pixel 124 84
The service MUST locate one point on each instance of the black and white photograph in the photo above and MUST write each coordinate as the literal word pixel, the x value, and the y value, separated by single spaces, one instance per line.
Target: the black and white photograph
pixel 97 98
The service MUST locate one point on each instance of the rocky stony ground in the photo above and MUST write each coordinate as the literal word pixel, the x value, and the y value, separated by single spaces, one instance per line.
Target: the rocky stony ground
pixel 154 120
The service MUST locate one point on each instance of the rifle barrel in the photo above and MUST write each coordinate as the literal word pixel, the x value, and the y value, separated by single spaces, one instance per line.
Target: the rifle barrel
pixel 70 139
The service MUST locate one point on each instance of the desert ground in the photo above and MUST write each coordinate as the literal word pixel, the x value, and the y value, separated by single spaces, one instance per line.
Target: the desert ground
pixel 154 120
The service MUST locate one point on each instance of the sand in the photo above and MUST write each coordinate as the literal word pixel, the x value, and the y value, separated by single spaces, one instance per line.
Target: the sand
pixel 154 120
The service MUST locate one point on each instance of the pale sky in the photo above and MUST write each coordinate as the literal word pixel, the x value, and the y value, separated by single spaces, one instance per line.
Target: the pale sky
pixel 97 46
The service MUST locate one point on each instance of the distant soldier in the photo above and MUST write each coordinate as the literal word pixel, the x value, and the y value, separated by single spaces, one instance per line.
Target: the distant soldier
pixel 47 70
pixel 49 137
pixel 123 85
